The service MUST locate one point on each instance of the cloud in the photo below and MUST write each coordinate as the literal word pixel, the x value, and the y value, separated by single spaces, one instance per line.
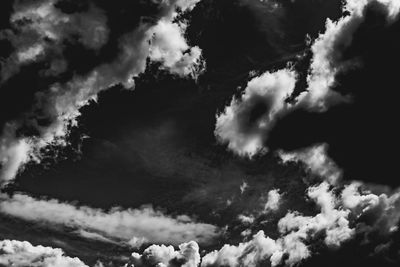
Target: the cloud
pixel 273 201
pixel 22 253
pixel 344 212
pixel 187 256
pixel 169 47
pixel 376 213
pixel 244 135
pixel 249 254
pixel 40 29
pixel 295 229
pixel 55 110
pixel 316 160
pixel 129 226
pixel 245 123
pixel 327 60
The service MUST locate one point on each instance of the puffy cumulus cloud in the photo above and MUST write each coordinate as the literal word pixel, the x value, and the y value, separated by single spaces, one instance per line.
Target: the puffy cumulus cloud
pixel 273 201
pixel 316 160
pixel 376 213
pixel 168 44
pixel 332 219
pixel 39 29
pixel 327 60
pixel 345 211
pixel 56 109
pixel 166 256
pixel 169 47
pixel 295 231
pixel 251 253
pixel 22 253
pixel 130 226
pixel 245 123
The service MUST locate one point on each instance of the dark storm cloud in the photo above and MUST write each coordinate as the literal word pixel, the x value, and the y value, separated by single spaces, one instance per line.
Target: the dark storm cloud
pixel 55 109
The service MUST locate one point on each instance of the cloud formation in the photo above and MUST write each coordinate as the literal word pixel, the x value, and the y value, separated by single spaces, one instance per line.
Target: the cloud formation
pixel 40 29
pixel 187 256
pixel 22 253
pixel 246 121
pixel 273 201
pixel 316 160
pixel 244 135
pixel 169 47
pixel 340 219
pixel 56 109
pixel 133 227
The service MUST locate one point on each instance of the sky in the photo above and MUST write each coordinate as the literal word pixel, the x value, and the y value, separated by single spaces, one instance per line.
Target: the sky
pixel 199 133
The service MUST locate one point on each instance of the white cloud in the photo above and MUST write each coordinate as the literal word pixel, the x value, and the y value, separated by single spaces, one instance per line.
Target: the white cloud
pixel 246 219
pixel 169 47
pixel 327 61
pixel 383 211
pixel 337 212
pixel 248 254
pixel 316 160
pixel 22 253
pixel 233 125
pixel 273 201
pixel 187 256
pixel 60 104
pixel 243 187
pixel 13 154
pixel 333 220
pixel 129 226
pixel 295 229
pixel 328 50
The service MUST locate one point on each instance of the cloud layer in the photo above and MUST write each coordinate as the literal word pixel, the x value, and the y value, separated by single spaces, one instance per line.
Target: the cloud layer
pixel 133 227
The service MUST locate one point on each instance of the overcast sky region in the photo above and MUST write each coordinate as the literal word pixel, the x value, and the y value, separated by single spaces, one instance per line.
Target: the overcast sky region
pixel 199 133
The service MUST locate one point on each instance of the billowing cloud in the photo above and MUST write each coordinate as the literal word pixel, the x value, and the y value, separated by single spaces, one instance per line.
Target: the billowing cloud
pixel 316 160
pixel 378 213
pixel 56 109
pixel 169 47
pixel 328 49
pixel 340 218
pixel 129 226
pixel 187 256
pixel 245 135
pixel 22 253
pixel 245 123
pixel 249 254
pixel 295 229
